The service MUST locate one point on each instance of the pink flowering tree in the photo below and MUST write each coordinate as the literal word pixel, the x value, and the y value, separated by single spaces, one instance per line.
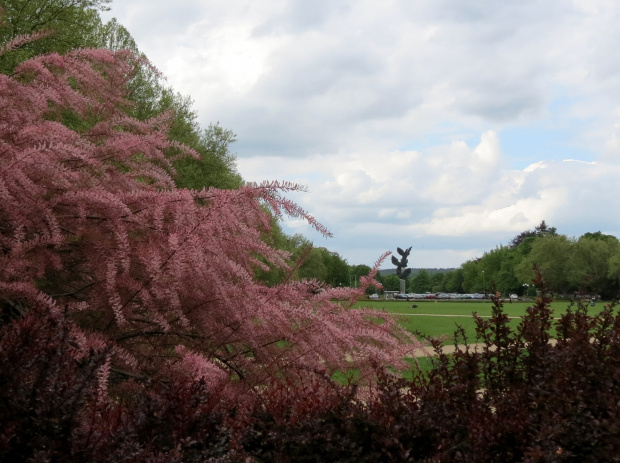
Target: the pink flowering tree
pixel 159 278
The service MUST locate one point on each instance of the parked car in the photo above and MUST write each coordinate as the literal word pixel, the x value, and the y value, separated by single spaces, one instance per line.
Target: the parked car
pixel 374 296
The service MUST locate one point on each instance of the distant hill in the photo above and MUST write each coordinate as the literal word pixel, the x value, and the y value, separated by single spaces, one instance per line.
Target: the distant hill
pixel 415 271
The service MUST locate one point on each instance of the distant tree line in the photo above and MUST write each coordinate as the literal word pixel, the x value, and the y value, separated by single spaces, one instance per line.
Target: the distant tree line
pixel 589 264
pixel 420 281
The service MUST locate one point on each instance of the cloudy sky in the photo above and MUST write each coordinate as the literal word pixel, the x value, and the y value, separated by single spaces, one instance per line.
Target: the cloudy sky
pixel 445 125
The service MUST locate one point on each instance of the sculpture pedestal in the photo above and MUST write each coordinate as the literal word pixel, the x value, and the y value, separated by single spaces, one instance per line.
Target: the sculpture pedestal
pixel 402 286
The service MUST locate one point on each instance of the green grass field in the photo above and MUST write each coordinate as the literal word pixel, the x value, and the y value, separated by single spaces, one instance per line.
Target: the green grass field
pixel 441 318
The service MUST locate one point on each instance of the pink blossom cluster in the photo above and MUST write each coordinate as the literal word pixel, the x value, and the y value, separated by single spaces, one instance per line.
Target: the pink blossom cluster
pixel 91 223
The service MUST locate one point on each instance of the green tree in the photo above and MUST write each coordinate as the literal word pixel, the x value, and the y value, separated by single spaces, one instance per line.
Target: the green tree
pixel 553 255
pixel 314 266
pixel 539 231
pixel 437 282
pixel 276 238
pixel 499 265
pixel 357 271
pixel 216 166
pixel 421 282
pixel 491 264
pixel 390 282
pixel 337 268
pixel 613 271
pixel 473 281
pixel 611 239
pixel 506 280
pixel 320 263
pixel 453 281
pixel 70 23
pixel 590 264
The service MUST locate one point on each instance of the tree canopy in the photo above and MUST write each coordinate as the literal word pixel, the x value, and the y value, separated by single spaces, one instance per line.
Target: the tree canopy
pixel 64 24
pixel 585 265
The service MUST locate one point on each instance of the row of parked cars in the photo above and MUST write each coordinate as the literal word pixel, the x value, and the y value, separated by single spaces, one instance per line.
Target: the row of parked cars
pixel 440 296
pixel 447 296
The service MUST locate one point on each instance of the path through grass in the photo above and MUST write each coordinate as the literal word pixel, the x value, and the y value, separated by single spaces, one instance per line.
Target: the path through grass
pixel 442 318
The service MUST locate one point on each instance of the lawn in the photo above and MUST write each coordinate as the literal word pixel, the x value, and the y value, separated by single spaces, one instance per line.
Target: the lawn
pixel 441 318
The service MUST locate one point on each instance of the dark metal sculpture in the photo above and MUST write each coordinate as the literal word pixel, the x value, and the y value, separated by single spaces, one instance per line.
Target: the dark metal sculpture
pixel 401 265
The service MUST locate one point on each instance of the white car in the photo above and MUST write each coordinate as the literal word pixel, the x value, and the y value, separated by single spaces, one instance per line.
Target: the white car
pixel 374 296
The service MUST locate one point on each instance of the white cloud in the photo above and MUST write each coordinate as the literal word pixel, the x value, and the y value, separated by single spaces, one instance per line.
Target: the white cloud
pixel 400 116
